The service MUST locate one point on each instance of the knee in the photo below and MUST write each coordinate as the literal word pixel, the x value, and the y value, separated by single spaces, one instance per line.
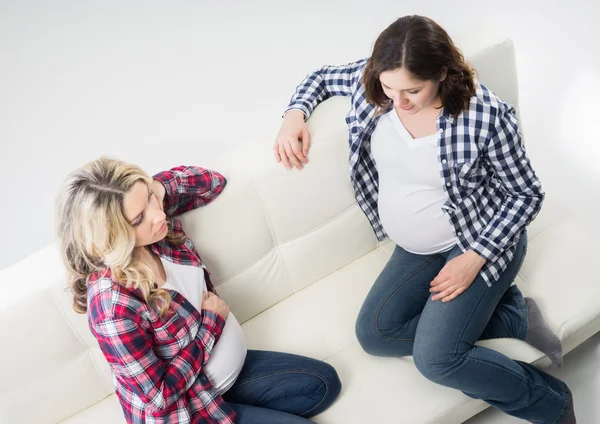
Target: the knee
pixel 331 381
pixel 368 336
pixel 435 363
pixel 327 388
pixel 376 342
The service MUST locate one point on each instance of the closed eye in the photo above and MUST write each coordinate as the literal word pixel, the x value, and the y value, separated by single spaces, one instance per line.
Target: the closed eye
pixel 139 220
pixel 140 217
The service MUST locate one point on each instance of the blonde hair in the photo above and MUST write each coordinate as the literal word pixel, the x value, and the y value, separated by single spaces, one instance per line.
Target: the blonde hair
pixel 94 234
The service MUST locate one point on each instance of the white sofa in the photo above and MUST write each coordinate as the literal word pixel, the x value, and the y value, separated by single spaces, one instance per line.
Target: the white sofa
pixel 293 255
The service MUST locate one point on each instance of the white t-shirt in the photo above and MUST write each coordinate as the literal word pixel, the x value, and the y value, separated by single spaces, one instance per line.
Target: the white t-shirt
pixel 411 195
pixel 229 354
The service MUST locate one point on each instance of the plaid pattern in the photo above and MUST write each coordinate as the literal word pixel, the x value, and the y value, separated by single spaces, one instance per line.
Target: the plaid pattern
pixel 493 192
pixel 157 362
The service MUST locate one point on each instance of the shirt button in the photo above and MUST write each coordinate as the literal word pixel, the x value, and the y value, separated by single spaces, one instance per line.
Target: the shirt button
pixel 444 161
pixel 441 130
pixel 459 234
pixel 448 184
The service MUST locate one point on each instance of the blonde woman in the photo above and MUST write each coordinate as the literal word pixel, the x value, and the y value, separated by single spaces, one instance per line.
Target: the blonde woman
pixel 176 352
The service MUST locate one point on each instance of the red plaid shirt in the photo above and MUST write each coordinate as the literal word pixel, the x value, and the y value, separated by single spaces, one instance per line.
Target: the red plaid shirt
pixel 157 363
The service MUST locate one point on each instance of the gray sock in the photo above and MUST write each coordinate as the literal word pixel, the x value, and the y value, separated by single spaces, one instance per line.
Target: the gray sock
pixel 540 336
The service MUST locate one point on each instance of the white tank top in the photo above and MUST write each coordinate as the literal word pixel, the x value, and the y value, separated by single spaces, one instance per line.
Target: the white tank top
pixel 411 195
pixel 229 354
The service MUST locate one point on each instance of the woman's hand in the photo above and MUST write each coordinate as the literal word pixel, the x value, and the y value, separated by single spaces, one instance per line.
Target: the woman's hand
pixel 287 144
pixel 456 276
pixel 214 303
pixel 159 192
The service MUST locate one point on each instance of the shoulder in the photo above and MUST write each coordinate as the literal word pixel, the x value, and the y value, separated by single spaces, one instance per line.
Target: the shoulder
pixel 360 64
pixel 486 111
pixel 109 299
pixel 487 102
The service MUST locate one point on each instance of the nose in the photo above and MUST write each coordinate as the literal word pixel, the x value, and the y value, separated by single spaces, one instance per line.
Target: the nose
pixel 399 100
pixel 158 217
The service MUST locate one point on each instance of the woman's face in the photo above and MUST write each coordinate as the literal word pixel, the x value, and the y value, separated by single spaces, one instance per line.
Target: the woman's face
pixel 145 214
pixel 409 94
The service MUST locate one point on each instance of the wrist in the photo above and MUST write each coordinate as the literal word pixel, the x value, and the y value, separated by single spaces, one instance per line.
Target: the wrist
pixel 479 260
pixel 296 114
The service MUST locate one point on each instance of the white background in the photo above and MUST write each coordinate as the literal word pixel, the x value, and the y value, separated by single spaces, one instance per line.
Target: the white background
pixel 166 83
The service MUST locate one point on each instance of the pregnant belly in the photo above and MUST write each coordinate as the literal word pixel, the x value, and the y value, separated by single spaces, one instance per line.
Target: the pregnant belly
pixel 228 356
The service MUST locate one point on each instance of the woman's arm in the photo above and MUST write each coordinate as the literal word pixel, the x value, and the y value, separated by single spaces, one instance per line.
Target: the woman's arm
pixel 188 187
pixel 128 348
pixel 320 85
pixel 326 82
pixel 523 192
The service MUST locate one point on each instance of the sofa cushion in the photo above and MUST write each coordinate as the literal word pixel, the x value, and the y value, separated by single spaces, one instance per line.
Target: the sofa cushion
pixel 318 321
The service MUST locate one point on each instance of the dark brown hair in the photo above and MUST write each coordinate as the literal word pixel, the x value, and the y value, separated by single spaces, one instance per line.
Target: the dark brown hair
pixel 424 49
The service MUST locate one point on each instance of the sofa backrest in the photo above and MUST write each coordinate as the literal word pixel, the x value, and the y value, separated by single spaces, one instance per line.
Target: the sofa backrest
pixel 271 233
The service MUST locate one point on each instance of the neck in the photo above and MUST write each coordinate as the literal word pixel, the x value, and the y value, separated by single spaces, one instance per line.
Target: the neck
pixel 141 252
pixel 436 103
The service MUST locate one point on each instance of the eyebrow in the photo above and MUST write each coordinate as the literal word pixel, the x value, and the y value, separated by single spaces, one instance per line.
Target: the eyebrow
pixel 134 220
pixel 407 89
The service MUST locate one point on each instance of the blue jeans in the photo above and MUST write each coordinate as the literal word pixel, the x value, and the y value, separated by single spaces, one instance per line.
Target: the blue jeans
pixel 398 318
pixel 281 388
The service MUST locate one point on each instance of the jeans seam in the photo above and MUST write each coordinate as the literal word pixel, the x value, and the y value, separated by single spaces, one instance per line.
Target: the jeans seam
pixel 400 284
pixel 520 305
pixel 510 372
pixel 524 327
pixel 561 412
pixel 467 358
pixel 458 340
pixel 292 372
pixel 567 402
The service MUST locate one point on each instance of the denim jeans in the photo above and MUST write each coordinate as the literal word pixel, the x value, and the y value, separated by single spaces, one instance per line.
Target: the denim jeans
pixel 281 388
pixel 398 318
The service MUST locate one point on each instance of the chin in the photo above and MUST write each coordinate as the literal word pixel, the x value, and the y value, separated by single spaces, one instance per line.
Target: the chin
pixel 158 239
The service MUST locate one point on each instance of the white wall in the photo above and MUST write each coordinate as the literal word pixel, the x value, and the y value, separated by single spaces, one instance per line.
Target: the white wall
pixel 165 83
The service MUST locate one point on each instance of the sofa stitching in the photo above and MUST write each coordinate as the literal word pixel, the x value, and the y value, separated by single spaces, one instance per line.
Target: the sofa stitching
pixel 554 225
pixel 277 246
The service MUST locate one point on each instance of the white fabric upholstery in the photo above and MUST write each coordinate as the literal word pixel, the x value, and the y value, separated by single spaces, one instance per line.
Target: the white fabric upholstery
pixel 294 257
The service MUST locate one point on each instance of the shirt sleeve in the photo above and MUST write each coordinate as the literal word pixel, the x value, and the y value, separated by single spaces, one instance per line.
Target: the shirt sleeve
pixel 324 83
pixel 189 187
pixel 523 194
pixel 129 351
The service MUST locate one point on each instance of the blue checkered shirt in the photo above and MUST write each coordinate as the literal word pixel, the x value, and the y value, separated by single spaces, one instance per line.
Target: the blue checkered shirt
pixel 493 192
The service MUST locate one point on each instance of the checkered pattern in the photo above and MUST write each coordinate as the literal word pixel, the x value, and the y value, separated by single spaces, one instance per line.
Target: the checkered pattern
pixel 493 192
pixel 157 363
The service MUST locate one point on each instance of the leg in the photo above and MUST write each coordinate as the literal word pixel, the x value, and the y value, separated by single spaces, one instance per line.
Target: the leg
pixel 247 414
pixel 388 319
pixel 284 382
pixel 445 353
